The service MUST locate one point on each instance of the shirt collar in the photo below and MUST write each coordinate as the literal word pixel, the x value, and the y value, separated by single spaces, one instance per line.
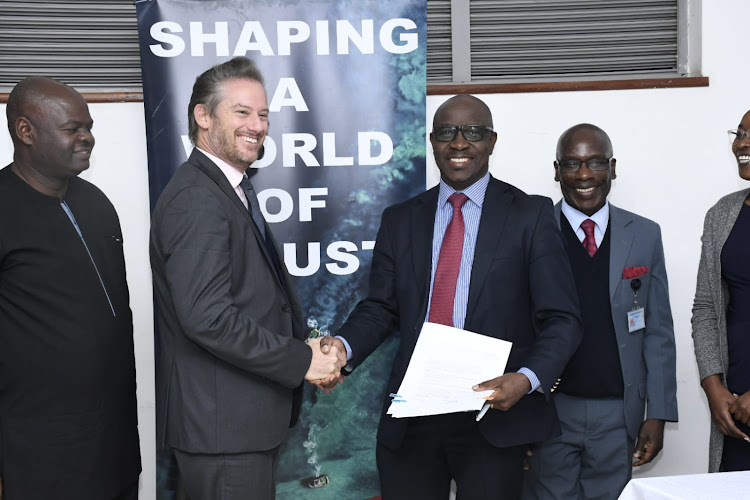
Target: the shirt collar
pixel 475 192
pixel 233 175
pixel 575 217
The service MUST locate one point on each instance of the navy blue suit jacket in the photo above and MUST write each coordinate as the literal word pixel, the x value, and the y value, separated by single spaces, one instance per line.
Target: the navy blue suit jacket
pixel 521 290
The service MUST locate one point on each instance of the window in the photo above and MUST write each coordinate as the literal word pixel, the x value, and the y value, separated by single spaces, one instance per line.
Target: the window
pixel 502 41
pixel 91 45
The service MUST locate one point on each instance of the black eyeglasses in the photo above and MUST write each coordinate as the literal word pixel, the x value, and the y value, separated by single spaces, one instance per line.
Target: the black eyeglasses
pixel 595 164
pixel 472 133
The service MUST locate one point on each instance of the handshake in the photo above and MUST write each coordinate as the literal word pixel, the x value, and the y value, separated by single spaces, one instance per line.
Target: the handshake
pixel 328 358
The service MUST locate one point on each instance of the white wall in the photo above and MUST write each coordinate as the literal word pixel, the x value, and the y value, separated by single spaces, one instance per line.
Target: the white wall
pixel 673 163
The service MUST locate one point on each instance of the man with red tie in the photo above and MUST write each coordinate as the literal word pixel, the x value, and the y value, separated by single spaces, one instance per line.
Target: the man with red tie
pixel 477 254
pixel 626 360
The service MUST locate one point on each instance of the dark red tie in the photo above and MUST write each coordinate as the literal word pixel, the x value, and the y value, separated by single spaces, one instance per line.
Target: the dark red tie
pixel 589 242
pixel 449 262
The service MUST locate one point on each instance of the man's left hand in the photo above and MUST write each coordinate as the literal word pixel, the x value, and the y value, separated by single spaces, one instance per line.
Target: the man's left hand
pixel 509 388
pixel 650 441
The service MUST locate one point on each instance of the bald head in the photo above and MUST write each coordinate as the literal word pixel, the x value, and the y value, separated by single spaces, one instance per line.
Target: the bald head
pixel 32 96
pixel 462 161
pixel 585 167
pixel 476 107
pixel 583 133
pixel 51 127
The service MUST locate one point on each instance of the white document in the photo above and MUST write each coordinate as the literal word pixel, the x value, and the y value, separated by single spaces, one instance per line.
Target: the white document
pixel 446 364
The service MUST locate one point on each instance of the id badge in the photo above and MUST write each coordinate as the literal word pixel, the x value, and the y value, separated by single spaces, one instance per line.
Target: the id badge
pixel 636 319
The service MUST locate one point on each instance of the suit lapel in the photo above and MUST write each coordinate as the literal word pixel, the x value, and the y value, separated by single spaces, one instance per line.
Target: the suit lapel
pixel 217 176
pixel 495 210
pixel 621 240
pixel 422 226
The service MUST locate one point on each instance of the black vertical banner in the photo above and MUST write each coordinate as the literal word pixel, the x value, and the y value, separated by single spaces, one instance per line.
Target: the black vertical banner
pixel 346 86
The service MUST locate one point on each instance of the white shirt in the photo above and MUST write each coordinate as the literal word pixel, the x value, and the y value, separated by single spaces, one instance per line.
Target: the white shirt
pixel 575 217
pixel 233 175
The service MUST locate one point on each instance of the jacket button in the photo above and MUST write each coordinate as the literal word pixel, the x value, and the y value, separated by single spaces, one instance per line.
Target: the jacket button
pixel 285 308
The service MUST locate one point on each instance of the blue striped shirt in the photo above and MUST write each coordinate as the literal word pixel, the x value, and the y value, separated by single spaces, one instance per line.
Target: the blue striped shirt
pixel 472 212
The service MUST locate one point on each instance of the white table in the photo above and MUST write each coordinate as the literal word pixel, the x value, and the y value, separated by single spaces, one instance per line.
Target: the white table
pixel 718 486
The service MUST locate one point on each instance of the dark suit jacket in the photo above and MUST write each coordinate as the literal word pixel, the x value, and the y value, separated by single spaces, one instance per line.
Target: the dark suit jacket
pixel 647 356
pixel 521 290
pixel 232 355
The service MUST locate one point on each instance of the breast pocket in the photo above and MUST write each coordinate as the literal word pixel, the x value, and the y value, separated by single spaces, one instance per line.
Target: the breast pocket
pixel 627 295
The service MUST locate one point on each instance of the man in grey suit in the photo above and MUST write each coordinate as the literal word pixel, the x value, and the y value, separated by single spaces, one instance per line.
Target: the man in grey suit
pixel 625 363
pixel 232 341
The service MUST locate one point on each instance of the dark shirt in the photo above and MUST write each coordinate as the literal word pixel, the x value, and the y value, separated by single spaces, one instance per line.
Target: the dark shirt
pixel 68 414
pixel 735 270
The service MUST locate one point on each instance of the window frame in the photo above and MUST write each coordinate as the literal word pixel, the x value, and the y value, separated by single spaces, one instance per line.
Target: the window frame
pixel 687 75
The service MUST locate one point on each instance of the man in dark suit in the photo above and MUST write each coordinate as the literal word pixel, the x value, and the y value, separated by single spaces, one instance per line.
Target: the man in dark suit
pixel 513 282
pixel 626 360
pixel 232 340
pixel 68 413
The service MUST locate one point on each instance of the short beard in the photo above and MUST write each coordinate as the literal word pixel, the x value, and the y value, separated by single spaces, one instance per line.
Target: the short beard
pixel 227 151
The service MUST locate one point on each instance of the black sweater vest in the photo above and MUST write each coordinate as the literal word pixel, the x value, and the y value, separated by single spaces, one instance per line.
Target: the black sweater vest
pixel 594 371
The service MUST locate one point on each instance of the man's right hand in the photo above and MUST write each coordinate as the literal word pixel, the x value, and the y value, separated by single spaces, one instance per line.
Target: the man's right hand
pixel 330 343
pixel 325 365
pixel 719 399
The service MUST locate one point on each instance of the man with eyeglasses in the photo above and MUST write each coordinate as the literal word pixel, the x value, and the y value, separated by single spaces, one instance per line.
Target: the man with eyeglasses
pixel 480 255
pixel 626 361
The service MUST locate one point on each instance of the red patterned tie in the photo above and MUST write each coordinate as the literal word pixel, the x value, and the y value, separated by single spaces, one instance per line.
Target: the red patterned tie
pixel 589 242
pixel 449 262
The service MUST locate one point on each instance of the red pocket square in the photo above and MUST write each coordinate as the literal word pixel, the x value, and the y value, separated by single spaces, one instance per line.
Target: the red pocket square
pixel 633 272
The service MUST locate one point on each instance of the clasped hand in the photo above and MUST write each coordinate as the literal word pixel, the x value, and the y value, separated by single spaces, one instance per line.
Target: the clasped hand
pixel 329 346
pixel 739 407
pixel 726 407
pixel 328 358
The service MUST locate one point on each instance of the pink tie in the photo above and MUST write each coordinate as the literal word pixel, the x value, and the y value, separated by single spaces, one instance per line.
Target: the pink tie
pixel 449 263
pixel 589 242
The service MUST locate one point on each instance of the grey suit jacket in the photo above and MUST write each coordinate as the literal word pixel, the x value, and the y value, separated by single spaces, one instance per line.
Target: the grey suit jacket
pixel 710 304
pixel 647 356
pixel 231 350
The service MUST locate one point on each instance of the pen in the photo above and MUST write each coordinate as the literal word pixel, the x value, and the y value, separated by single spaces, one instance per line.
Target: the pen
pixel 484 409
